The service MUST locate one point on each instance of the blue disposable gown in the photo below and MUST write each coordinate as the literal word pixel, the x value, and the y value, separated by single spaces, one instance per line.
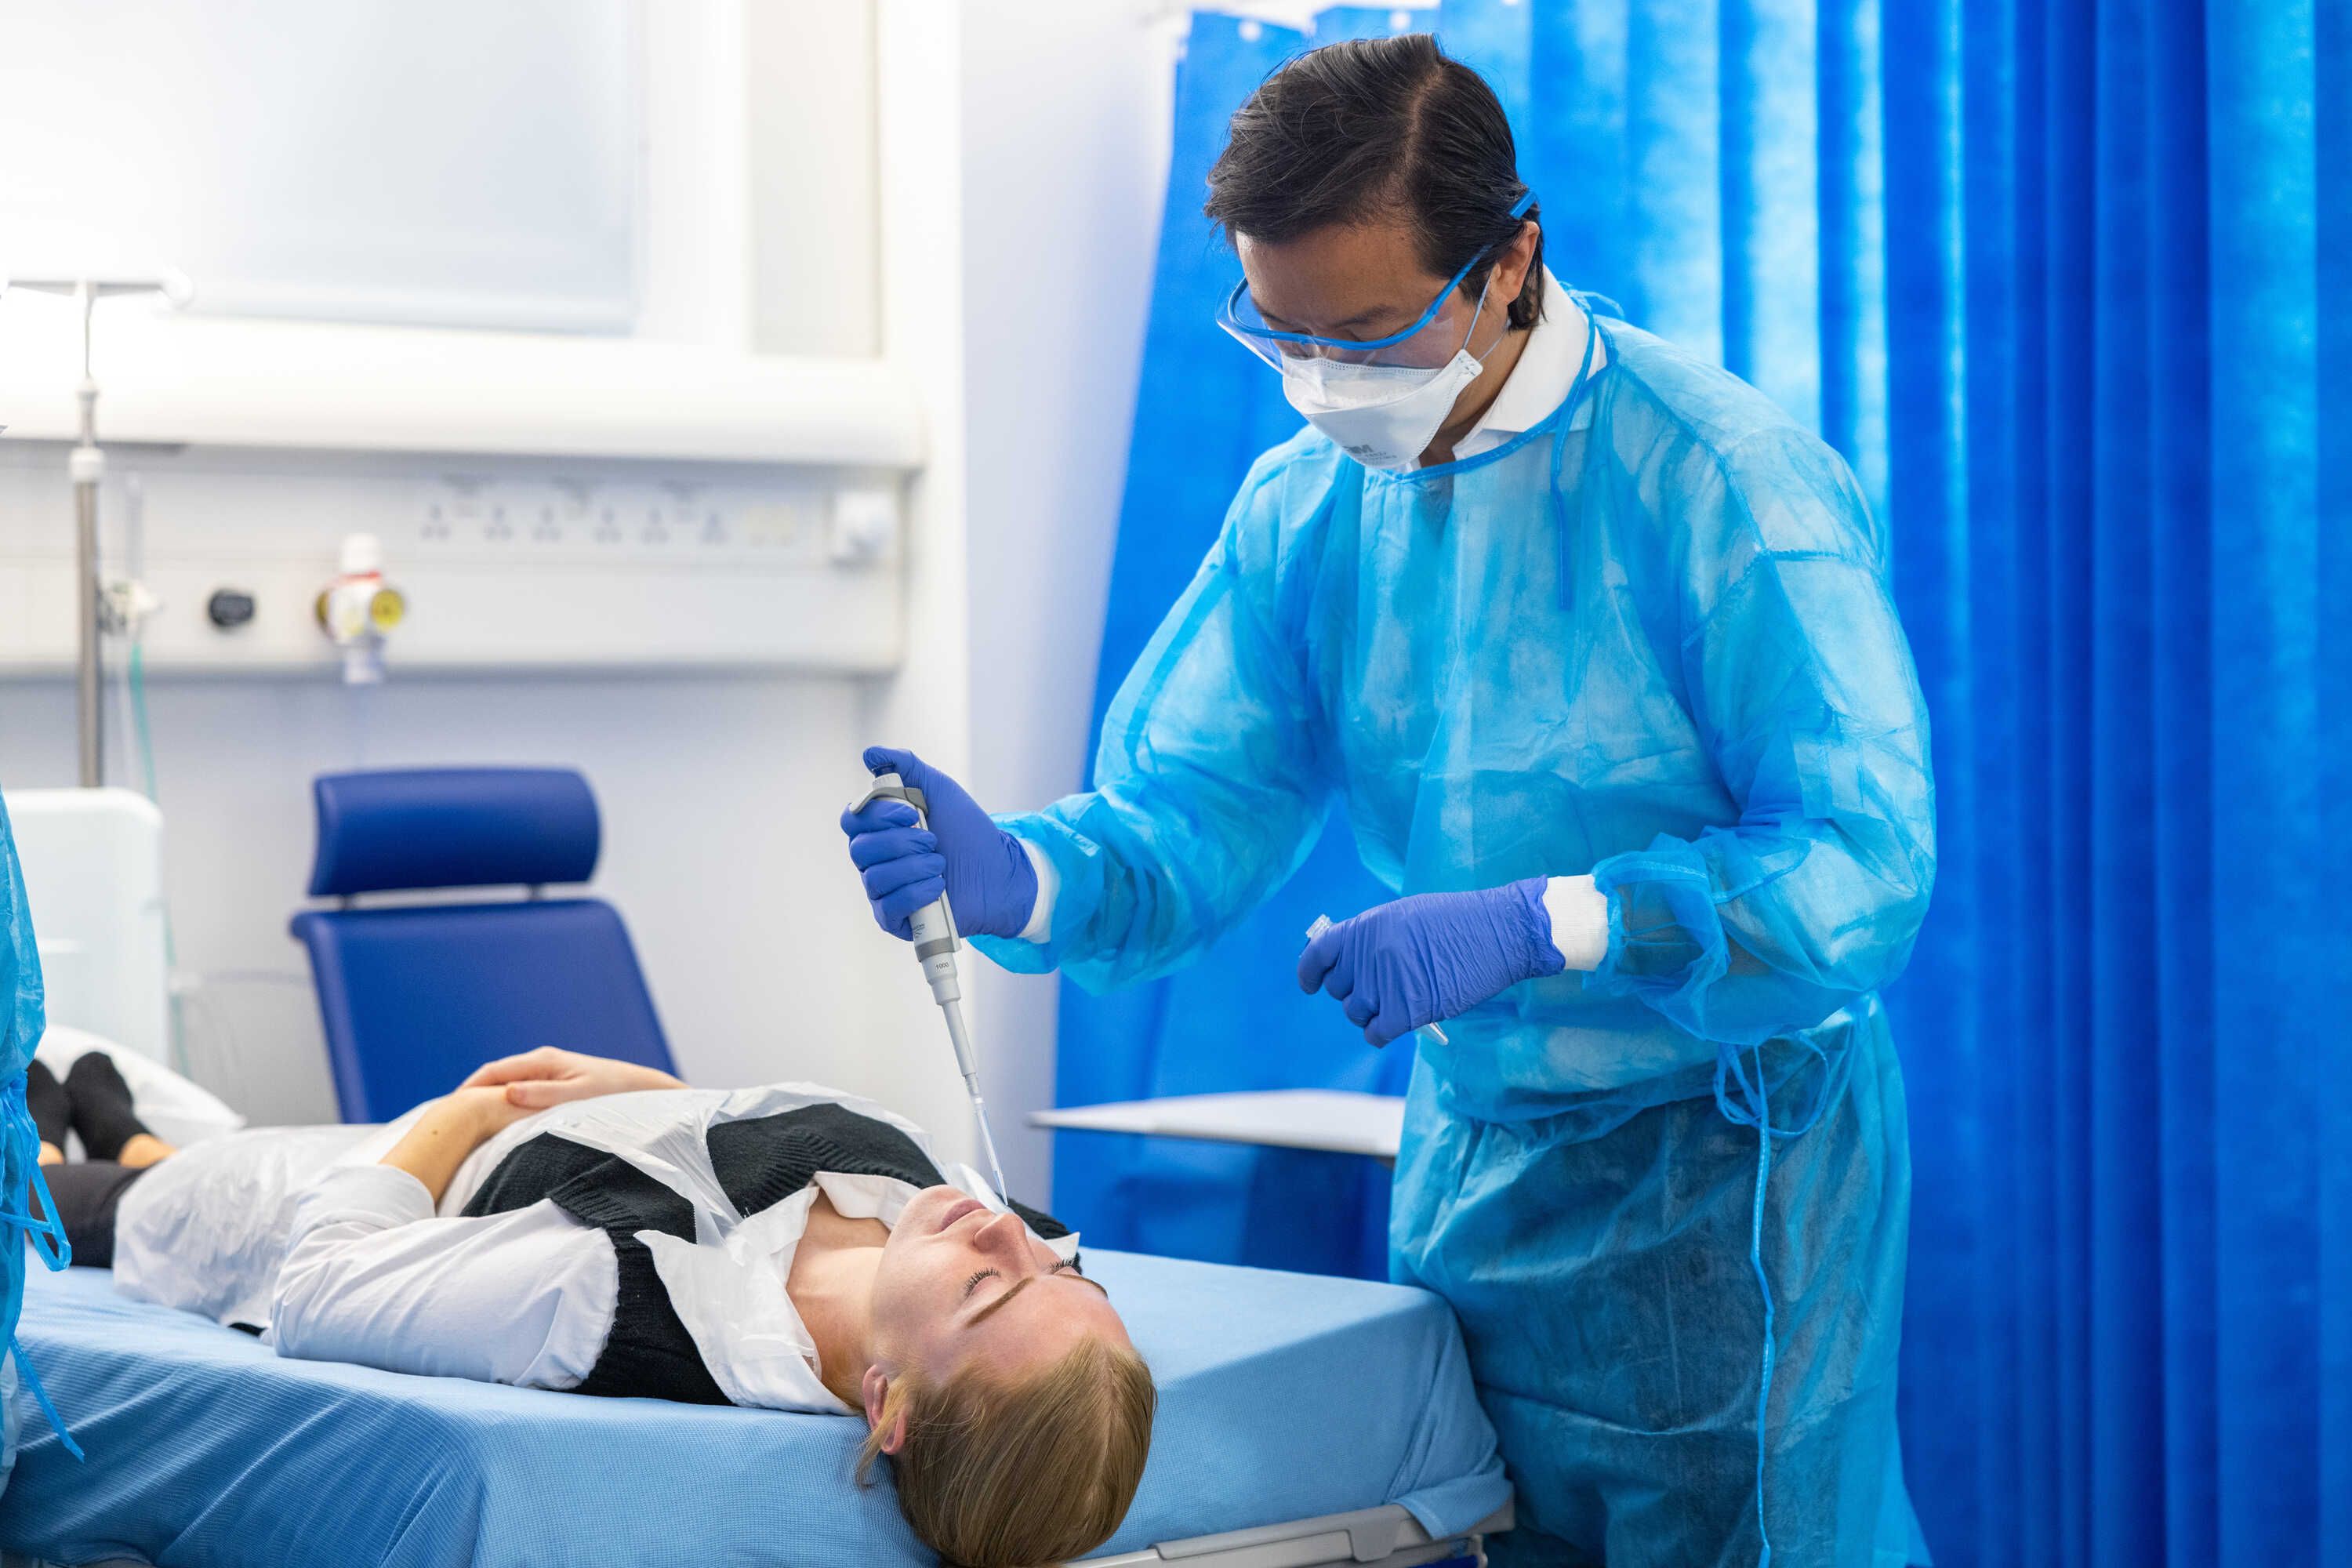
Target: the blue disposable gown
pixel 1653 640
pixel 21 1023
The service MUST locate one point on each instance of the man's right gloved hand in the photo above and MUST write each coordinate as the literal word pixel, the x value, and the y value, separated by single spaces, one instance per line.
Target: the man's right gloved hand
pixel 985 873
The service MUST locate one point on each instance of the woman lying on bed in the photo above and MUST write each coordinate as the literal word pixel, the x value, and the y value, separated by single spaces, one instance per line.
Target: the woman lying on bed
pixel 566 1222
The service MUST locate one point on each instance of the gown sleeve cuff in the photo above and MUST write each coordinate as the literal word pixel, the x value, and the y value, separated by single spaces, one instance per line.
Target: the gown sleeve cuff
pixel 1667 942
pixel 1049 882
pixel 1069 878
pixel 1579 920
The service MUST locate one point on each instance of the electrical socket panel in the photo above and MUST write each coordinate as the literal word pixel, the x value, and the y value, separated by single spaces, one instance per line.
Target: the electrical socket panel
pixel 582 524
pixel 503 562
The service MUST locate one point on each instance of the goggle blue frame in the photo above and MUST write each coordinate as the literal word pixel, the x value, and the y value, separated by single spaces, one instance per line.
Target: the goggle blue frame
pixel 1227 320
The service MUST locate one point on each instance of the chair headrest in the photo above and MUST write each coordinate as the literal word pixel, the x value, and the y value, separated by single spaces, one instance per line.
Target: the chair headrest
pixel 452 827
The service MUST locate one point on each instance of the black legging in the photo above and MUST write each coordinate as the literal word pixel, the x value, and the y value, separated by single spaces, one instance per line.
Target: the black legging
pixel 86 1195
pixel 95 1102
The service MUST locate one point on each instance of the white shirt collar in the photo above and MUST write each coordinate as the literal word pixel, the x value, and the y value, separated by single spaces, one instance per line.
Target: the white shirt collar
pixel 731 1295
pixel 1542 379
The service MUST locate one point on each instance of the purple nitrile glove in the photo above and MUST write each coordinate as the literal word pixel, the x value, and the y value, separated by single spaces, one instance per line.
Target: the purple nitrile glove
pixel 1421 960
pixel 991 886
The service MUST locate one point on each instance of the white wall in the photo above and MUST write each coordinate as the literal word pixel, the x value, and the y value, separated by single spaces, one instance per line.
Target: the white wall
pixel 719 794
pixel 719 799
pixel 1008 241
pixel 1022 152
pixel 1066 117
pixel 926 706
pixel 809 80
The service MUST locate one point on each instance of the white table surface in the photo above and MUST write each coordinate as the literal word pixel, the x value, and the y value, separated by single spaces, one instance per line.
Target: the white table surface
pixel 1331 1121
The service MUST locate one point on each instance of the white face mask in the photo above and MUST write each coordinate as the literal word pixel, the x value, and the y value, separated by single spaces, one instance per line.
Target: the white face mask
pixel 1385 416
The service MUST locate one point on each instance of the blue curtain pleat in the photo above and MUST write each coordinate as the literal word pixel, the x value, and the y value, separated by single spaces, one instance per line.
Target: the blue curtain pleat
pixel 2071 287
pixel 1673 148
pixel 2121 1199
pixel 1934 471
pixel 2332 981
pixel 2182 763
pixel 2276 908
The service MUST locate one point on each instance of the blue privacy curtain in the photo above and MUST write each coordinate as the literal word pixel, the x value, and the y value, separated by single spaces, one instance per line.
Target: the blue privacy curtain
pixel 2119 265
pixel 2071 286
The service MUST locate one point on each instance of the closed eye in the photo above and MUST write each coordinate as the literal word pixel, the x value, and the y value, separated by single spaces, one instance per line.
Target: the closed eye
pixel 1071 1266
pixel 996 1302
pixel 973 1283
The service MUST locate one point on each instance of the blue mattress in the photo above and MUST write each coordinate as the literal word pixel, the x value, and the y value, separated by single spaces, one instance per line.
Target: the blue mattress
pixel 1282 1396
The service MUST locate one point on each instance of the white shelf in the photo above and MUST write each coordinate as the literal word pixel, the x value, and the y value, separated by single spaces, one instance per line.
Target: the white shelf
pixel 205 381
pixel 1331 1120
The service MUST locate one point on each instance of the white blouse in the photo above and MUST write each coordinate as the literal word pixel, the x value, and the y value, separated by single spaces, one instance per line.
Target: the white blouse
pixel 370 1273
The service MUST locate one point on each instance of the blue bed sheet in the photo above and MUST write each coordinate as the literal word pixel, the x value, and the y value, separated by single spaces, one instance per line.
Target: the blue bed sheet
pixel 1282 1396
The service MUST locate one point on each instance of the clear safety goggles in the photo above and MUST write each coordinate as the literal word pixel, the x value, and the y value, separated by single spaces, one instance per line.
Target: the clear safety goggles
pixel 1430 342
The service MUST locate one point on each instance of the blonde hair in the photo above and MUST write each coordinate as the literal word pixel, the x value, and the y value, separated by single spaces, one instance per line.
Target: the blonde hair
pixel 1017 1475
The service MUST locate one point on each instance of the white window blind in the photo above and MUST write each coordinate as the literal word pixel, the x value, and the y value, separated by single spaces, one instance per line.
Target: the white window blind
pixel 452 163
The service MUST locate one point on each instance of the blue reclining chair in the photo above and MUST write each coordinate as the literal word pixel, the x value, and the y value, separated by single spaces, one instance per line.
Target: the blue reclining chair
pixel 416 997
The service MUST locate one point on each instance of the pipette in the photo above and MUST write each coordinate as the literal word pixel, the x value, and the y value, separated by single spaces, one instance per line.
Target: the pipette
pixel 1323 923
pixel 933 929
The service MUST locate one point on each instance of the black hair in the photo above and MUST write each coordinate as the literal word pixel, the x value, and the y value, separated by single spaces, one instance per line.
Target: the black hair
pixel 1374 127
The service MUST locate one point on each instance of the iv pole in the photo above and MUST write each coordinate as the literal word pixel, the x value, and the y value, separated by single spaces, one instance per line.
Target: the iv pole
pixel 87 464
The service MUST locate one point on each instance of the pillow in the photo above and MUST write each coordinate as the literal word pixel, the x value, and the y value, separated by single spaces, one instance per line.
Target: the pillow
pixel 174 1109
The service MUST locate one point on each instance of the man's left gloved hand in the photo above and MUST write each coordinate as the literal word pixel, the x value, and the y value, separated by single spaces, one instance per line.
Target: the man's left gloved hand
pixel 1421 960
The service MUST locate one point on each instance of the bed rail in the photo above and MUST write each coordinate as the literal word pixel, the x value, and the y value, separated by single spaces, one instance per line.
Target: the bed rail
pixel 1385 1537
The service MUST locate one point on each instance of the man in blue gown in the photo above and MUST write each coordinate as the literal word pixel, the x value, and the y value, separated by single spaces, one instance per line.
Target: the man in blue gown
pixel 1598 647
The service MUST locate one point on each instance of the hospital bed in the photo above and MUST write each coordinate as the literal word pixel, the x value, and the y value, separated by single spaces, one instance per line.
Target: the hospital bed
pixel 1303 1421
